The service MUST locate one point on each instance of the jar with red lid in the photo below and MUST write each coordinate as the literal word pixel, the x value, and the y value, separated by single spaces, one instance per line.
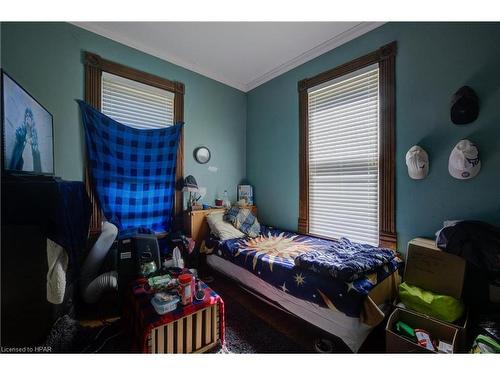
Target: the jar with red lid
pixel 186 288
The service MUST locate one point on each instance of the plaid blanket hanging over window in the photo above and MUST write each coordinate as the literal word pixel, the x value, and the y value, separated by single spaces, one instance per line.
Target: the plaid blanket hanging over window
pixel 133 170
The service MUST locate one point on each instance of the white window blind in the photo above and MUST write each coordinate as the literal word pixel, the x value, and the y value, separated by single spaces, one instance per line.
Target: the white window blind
pixel 343 157
pixel 135 104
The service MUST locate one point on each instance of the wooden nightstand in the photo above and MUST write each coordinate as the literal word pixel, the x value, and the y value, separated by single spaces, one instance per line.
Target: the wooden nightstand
pixel 196 226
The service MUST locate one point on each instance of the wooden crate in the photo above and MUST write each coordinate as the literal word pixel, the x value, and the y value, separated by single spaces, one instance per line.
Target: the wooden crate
pixel 195 333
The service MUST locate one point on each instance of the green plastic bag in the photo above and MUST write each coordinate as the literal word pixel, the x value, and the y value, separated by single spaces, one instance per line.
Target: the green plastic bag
pixel 439 306
pixel 485 345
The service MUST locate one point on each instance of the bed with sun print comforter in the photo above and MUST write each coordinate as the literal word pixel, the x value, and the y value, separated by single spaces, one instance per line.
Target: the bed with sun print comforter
pixel 271 258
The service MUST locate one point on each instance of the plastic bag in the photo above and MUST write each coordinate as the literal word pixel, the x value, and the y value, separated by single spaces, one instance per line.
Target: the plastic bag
pixel 485 345
pixel 439 306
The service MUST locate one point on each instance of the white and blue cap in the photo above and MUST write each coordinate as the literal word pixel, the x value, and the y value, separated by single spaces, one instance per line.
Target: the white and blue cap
pixel 417 162
pixel 464 162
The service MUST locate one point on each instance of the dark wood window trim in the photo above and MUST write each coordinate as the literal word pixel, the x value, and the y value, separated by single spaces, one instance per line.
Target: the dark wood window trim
pixel 385 57
pixel 94 66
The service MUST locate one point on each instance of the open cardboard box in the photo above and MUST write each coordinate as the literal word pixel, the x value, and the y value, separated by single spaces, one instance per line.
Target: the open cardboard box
pixel 395 343
pixel 430 268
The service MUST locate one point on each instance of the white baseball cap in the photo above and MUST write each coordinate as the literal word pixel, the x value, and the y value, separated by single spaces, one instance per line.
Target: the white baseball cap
pixel 464 162
pixel 417 162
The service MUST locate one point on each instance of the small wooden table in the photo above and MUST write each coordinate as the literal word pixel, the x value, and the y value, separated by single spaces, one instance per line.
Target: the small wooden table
pixel 194 328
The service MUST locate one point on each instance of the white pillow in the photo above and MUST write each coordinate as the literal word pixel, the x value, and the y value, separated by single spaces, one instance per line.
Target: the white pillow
pixel 221 228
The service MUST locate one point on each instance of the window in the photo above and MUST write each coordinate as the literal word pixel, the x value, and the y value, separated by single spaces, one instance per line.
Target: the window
pixel 343 157
pixel 137 99
pixel 347 151
pixel 135 104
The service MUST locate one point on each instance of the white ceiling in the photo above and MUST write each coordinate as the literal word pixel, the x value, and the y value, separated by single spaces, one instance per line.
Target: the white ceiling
pixel 240 54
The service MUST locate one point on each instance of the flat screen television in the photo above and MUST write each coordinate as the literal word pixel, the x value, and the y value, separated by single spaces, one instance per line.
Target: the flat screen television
pixel 27 132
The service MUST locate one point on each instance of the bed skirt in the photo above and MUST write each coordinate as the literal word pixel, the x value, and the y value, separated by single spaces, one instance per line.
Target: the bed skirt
pixel 353 331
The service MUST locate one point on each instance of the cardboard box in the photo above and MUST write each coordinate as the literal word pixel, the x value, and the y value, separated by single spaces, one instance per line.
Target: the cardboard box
pixel 438 330
pixel 431 269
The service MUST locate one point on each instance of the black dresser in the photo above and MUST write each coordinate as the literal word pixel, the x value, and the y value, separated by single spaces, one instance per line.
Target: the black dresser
pixel 34 209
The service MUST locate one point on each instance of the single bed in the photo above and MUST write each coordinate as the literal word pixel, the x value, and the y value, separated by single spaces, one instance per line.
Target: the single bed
pixel 265 266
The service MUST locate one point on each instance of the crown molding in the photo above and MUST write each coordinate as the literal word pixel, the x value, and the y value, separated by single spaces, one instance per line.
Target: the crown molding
pixel 348 35
pixel 163 55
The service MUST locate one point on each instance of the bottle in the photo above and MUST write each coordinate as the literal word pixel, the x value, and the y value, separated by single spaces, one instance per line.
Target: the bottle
pixel 186 288
pixel 227 204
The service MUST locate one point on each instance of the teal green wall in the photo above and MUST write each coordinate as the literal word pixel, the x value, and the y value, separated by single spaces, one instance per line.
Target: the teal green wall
pixel 433 61
pixel 46 58
pixel 256 135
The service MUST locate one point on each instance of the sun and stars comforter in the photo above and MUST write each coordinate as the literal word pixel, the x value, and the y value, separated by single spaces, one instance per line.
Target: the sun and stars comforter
pixel 271 257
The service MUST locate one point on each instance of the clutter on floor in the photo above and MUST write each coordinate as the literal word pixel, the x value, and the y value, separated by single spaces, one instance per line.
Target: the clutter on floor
pixel 440 306
pixel 410 332
pixel 448 302
pixel 431 315
pixel 245 333
pixel 173 311
pixel 485 345
pixel 422 338
pixel 169 309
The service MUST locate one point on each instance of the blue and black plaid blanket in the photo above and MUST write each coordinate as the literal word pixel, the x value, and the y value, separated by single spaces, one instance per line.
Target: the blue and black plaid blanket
pixel 133 170
pixel 243 219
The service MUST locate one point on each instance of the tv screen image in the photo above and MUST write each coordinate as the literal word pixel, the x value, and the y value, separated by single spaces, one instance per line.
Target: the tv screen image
pixel 28 141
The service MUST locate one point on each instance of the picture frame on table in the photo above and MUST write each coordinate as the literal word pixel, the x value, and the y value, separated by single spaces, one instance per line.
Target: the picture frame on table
pixel 246 192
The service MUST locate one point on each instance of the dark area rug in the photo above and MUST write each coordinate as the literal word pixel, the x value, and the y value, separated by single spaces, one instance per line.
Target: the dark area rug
pixel 245 333
pixel 69 336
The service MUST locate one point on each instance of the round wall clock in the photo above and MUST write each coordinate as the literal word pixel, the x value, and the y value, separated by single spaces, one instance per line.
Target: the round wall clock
pixel 202 155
